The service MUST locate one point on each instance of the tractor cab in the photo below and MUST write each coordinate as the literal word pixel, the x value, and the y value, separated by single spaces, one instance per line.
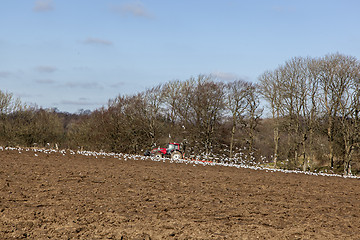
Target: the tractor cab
pixel 172 147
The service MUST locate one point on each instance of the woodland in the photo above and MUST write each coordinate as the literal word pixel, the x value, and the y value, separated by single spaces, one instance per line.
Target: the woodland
pixel 303 115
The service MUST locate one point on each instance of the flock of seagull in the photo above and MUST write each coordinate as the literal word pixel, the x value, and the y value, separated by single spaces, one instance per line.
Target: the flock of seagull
pixel 237 163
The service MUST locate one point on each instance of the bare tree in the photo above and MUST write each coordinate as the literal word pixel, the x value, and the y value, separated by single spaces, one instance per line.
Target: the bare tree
pixel 177 103
pixel 172 95
pixel 294 91
pixel 270 83
pixel 349 75
pixel 236 104
pixel 206 108
pixel 335 79
pixel 9 104
pixel 153 100
pixel 311 110
pixel 253 113
pixel 135 117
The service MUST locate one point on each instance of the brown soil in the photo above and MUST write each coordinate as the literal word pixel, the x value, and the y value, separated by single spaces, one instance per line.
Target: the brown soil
pixel 57 196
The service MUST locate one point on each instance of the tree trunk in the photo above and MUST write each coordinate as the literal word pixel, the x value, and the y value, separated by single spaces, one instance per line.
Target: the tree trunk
pixel 311 143
pixel 251 142
pixel 232 138
pixel 331 142
pixel 296 154
pixel 276 142
pixel 232 141
pixel 251 133
pixel 305 164
pixel 347 157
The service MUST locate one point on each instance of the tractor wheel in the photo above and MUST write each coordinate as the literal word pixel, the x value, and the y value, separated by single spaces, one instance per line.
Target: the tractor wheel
pixel 158 155
pixel 176 155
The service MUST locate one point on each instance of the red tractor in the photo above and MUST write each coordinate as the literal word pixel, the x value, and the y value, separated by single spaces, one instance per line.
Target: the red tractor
pixel 172 150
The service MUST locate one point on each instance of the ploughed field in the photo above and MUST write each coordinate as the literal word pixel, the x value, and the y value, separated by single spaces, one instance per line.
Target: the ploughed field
pixel 63 195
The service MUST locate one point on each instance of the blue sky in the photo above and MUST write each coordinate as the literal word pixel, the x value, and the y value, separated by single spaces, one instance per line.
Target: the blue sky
pixel 78 54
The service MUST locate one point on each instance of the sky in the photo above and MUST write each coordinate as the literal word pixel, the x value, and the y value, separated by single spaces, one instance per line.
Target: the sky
pixel 78 54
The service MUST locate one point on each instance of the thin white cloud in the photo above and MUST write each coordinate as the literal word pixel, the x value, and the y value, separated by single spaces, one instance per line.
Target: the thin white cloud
pixel 84 85
pixel 97 41
pixel 46 69
pixel 81 68
pixel 27 95
pixel 79 102
pixel 4 74
pixel 43 5
pixel 225 76
pixel 44 81
pixel 134 8
pixel 118 84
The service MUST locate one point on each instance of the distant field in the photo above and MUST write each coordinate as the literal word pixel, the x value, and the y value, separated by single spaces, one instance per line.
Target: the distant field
pixel 58 195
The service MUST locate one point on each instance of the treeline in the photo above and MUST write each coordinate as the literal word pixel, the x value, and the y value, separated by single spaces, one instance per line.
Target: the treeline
pixel 208 116
pixel 302 115
pixel 199 112
pixel 315 105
